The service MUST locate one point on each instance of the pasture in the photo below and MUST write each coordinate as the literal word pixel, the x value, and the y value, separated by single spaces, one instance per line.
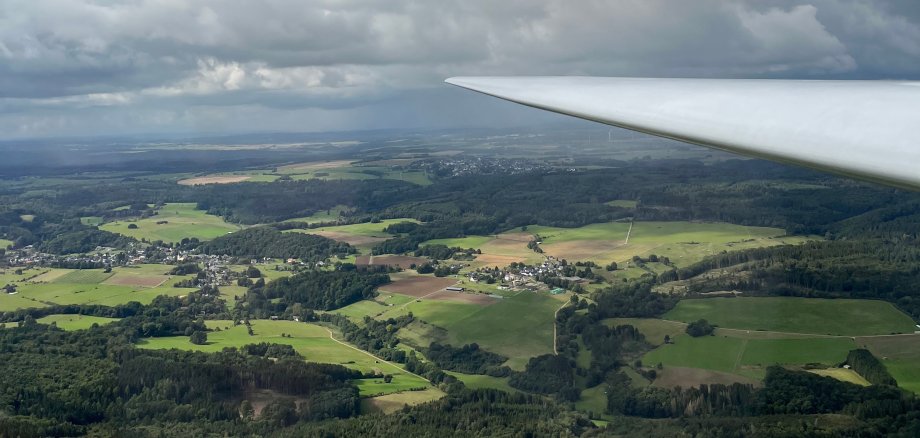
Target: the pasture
pixel 418 286
pixel 498 250
pixel 310 340
pixel 181 220
pixel 683 242
pixel 363 235
pixel 4 243
pixel 901 356
pixel 75 322
pixel 622 203
pixel 331 215
pixel 842 374
pixel 378 386
pixel 654 330
pixel 796 315
pixel 519 327
pixel 748 357
pixel 481 381
pixel 387 404
pixel 140 283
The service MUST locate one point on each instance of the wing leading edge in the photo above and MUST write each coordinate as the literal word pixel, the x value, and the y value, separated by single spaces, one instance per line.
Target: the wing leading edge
pixel 863 129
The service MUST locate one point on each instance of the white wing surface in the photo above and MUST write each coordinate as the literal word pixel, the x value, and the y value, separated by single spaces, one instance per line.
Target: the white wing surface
pixel 864 129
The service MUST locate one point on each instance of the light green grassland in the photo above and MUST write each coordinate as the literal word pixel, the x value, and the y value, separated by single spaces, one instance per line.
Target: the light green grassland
pixel 748 357
pixel 84 276
pixel 75 322
pixel 901 356
pixel 369 229
pixel 843 374
pixel 310 340
pixel 623 203
pixel 91 220
pixel 481 381
pixel 183 221
pixel 382 303
pixel 683 242
pixel 387 404
pixel 333 214
pixel 65 286
pixel 518 327
pixel 654 330
pixel 5 243
pixel 796 315
pixel 461 242
pixel 593 400
pixel 377 386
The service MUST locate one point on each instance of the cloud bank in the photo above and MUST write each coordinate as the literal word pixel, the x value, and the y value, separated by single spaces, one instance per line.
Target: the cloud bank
pixel 103 67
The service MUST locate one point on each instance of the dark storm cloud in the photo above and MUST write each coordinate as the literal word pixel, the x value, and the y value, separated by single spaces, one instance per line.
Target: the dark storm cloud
pixel 114 66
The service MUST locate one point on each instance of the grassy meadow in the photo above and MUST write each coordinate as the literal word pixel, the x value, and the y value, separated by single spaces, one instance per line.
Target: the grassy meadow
pixel 183 221
pixel 75 322
pixel 843 317
pixel 47 286
pixel 310 340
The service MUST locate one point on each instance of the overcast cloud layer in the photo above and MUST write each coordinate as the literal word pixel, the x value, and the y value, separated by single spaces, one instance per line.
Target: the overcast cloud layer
pixel 109 67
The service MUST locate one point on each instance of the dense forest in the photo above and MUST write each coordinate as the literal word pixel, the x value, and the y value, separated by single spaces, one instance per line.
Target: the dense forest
pixel 317 290
pixel 259 242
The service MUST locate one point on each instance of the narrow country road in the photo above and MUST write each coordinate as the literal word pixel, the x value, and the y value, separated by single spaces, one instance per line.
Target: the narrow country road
pixel 332 336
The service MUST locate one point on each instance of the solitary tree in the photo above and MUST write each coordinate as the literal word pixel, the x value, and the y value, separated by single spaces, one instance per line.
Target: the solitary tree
pixel 198 338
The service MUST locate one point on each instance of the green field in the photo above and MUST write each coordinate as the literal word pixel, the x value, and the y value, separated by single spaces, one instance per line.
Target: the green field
pixel 901 356
pixel 91 220
pixel 622 203
pixel 84 276
pixel 842 374
pixel 377 386
pixel 331 215
pixel 683 242
pixel 654 330
pixel 797 315
pixel 68 286
pixel 481 381
pixel 183 221
pixel 748 357
pixel 4 244
pixel 75 322
pixel 369 229
pixel 461 242
pixel 518 327
pixel 387 404
pixel 310 340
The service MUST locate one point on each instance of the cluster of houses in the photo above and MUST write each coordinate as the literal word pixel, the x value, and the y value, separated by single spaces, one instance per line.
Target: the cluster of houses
pixel 523 276
pixel 478 166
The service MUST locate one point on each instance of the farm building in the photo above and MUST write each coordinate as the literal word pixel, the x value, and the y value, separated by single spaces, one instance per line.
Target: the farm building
pixel 557 291
pixel 454 289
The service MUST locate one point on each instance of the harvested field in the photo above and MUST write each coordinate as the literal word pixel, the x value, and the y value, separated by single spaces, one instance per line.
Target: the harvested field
pixel 136 280
pixel 402 261
pixel 517 237
pixel 671 377
pixel 390 403
pixel 351 239
pixel 582 249
pixel 418 286
pixel 498 260
pixel 223 179
pixel 463 297
pixel 313 165
pixel 51 275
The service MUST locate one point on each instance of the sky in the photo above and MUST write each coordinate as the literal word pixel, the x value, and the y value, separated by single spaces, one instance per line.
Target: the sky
pixel 148 67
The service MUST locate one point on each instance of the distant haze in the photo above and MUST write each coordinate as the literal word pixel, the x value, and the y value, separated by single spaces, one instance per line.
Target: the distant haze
pixel 113 67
